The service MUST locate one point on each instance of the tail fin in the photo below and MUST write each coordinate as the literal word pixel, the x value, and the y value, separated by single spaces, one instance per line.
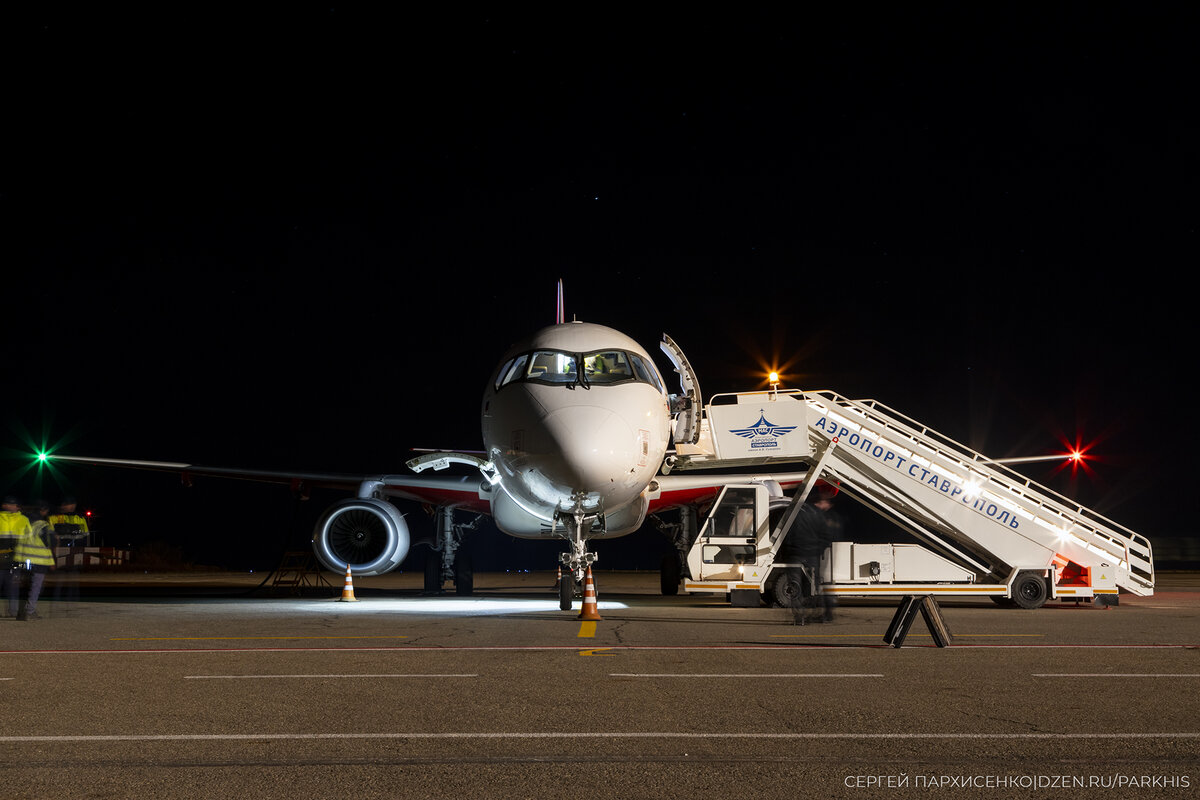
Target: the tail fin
pixel 562 314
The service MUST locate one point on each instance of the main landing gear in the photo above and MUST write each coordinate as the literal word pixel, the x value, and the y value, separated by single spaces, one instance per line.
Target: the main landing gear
pixel 450 559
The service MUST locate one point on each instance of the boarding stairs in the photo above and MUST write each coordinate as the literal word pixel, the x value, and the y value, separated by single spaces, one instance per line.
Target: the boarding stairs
pixel 956 501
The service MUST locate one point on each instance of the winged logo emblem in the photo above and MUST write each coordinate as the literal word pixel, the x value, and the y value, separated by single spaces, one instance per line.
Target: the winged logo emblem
pixel 763 428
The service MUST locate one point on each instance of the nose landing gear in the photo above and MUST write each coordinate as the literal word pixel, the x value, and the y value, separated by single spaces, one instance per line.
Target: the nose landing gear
pixel 574 563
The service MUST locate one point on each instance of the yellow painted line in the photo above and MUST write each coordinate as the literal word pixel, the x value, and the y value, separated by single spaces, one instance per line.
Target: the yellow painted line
pixel 236 638
pixel 587 630
pixel 596 652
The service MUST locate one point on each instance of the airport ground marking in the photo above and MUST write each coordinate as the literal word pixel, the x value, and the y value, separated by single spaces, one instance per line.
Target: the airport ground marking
pixel 911 635
pixel 591 735
pixel 338 676
pixel 587 630
pixel 239 638
pixel 780 647
pixel 1116 674
pixel 745 675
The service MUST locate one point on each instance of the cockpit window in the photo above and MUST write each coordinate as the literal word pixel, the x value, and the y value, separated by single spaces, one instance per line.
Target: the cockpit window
pixel 611 366
pixel 511 371
pixel 552 367
pixel 600 368
pixel 646 372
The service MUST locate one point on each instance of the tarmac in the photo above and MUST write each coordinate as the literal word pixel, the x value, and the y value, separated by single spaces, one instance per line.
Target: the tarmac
pixel 197 683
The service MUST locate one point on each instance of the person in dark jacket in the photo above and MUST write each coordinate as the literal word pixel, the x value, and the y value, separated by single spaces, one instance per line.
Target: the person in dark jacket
pixel 816 527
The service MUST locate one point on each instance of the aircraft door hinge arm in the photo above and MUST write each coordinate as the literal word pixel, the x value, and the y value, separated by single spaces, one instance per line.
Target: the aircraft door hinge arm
pixel 440 460
pixel 688 406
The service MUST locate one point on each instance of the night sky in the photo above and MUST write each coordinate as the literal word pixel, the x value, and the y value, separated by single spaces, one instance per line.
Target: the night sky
pixel 303 241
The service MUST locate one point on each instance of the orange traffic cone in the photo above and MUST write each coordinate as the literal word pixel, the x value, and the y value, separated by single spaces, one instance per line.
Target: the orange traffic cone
pixel 348 590
pixel 590 610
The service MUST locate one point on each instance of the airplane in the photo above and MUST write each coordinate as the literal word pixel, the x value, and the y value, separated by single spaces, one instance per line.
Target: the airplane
pixel 577 422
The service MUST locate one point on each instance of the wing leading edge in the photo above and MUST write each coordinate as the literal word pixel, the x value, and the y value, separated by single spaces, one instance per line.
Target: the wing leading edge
pixel 455 491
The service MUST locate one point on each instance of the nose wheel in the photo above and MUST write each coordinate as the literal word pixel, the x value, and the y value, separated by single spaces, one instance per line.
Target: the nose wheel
pixel 566 591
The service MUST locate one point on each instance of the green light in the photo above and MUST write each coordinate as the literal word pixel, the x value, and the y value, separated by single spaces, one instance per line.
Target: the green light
pixel 43 457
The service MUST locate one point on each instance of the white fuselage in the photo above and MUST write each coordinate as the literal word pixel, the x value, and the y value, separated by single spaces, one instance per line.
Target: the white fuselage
pixel 576 422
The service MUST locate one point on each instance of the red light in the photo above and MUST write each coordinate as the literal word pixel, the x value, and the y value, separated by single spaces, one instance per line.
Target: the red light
pixel 1076 456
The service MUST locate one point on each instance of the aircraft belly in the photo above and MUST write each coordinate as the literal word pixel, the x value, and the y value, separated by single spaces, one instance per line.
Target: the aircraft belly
pixel 515 520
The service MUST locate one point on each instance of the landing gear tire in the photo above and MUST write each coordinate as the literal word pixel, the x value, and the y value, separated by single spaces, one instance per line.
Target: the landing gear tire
pixel 433 572
pixel 464 575
pixel 669 572
pixel 1029 590
pixel 566 592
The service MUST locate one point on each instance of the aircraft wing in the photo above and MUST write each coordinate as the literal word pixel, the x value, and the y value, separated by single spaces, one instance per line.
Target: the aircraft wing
pixel 457 491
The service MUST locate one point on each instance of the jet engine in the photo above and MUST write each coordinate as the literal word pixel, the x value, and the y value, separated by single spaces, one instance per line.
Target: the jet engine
pixel 366 534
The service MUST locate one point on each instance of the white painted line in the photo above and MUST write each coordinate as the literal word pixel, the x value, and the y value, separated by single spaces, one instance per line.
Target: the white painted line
pixel 744 675
pixel 779 648
pixel 1116 674
pixel 559 735
pixel 318 677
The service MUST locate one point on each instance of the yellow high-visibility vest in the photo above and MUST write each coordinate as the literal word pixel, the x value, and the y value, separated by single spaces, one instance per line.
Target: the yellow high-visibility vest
pixel 32 549
pixel 73 519
pixel 14 526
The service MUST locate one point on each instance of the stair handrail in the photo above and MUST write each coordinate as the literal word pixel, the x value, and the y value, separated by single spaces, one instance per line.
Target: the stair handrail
pixel 1089 522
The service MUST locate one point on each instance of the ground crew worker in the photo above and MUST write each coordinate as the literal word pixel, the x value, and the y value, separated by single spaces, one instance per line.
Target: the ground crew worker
pixel 35 556
pixel 73 525
pixel 813 530
pixel 14 526
pixel 69 529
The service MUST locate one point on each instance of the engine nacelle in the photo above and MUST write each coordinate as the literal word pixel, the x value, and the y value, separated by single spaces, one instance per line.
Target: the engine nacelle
pixel 366 534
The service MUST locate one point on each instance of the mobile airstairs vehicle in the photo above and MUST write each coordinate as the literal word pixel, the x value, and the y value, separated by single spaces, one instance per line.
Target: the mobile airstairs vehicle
pixel 984 530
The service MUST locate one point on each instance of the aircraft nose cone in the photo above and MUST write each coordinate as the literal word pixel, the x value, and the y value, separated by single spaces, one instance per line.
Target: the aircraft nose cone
pixel 598 447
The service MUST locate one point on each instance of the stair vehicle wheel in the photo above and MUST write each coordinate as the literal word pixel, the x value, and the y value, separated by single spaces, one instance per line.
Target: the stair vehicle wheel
pixel 1029 590
pixel 788 591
